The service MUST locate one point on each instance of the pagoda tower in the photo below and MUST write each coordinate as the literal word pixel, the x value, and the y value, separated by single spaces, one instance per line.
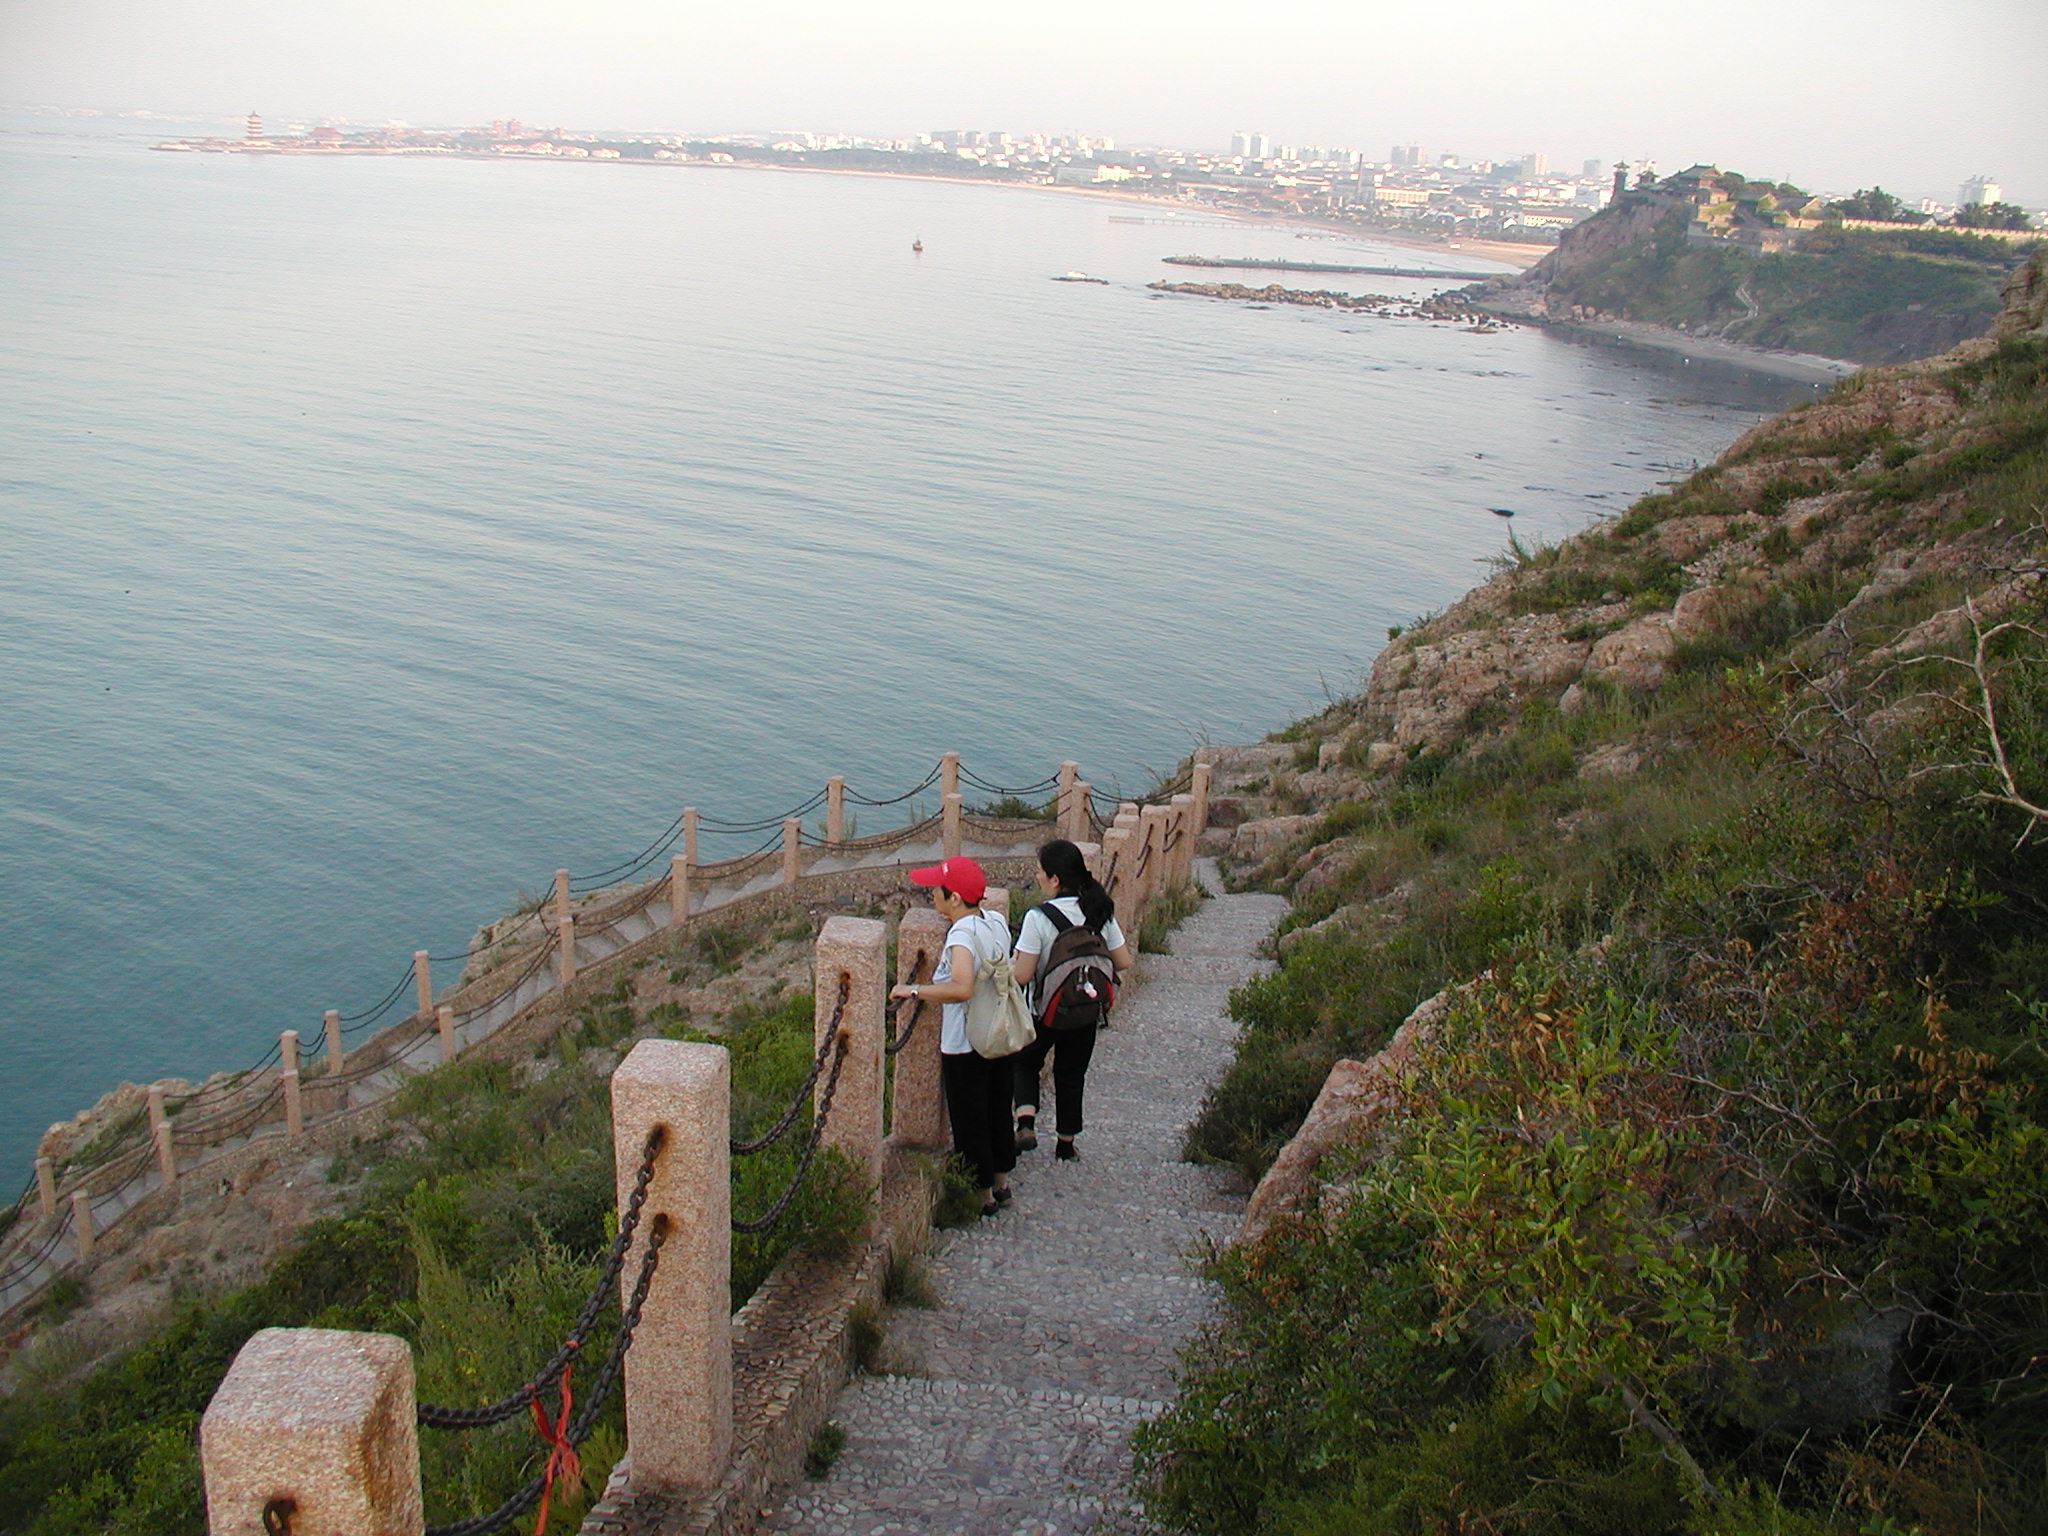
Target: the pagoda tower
pixel 254 132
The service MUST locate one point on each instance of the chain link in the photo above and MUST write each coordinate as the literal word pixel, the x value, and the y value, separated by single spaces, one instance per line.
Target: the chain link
pixel 900 1038
pixel 601 1391
pixel 781 1127
pixel 803 1165
pixel 507 1407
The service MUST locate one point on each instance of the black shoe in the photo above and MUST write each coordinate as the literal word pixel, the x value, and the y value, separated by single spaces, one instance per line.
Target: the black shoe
pixel 991 1209
pixel 1027 1133
pixel 1066 1151
pixel 1001 1197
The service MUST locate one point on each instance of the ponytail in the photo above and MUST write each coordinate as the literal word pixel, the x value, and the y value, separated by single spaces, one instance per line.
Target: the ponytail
pixel 1062 860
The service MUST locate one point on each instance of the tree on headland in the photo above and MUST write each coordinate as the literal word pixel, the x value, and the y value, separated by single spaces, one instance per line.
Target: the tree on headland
pixel 1992 216
pixel 1877 205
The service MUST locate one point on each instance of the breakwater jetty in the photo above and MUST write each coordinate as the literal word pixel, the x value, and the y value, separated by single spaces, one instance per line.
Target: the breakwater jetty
pixel 1280 264
pixel 1442 306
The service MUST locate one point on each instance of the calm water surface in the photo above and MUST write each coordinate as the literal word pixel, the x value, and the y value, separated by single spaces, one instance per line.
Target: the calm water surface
pixel 377 535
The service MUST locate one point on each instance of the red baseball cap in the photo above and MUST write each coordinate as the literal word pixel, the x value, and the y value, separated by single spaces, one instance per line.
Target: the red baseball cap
pixel 961 876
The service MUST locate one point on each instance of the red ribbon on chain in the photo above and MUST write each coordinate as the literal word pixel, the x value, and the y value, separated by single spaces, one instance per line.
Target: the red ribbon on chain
pixel 562 1460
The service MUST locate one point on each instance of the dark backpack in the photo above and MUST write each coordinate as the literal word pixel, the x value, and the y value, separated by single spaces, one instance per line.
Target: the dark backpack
pixel 1075 984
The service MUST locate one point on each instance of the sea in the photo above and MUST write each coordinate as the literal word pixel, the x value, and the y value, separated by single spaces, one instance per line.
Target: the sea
pixel 378 535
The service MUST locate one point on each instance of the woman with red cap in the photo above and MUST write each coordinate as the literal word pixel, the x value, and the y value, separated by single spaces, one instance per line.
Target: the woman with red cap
pixel 977 1087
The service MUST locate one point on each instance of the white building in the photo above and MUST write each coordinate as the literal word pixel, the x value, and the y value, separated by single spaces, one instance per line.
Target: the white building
pixel 1978 191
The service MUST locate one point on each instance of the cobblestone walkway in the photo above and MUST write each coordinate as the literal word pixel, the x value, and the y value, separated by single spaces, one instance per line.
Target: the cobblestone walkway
pixel 1059 1319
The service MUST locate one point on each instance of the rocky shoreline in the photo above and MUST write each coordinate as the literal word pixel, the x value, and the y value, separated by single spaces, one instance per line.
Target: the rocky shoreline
pixel 1440 307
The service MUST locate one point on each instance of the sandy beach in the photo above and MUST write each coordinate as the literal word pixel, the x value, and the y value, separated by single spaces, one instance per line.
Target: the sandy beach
pixel 1807 367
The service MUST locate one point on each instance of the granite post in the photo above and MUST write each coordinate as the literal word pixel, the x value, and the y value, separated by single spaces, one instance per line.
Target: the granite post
pixel 1069 801
pixel 679 1370
pixel 835 809
pixel 323 1419
pixel 678 890
pixel 81 1226
pixel 855 950
pixel 423 984
pixel 1183 832
pixel 920 1106
pixel 330 1025
pixel 160 1134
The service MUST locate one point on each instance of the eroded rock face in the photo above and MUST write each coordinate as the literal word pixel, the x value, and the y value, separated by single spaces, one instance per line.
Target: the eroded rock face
pixel 1637 656
pixel 1257 841
pixel 1356 1097
pixel 1428 689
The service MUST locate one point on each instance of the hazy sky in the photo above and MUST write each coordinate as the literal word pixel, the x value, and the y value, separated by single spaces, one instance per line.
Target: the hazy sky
pixel 1915 94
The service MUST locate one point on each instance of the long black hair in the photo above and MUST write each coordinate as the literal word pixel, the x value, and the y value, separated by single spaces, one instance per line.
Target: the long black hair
pixel 1062 860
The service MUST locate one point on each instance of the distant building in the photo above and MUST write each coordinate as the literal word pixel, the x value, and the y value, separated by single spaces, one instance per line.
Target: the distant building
pixel 1978 191
pixel 1406 157
pixel 253 132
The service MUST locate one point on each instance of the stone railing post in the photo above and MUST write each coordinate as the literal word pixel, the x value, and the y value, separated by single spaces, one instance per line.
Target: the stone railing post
pixel 951 826
pixel 160 1135
pixel 565 956
pixel 423 983
pixel 1067 815
pixel 444 1028
pixel 690 836
pixel 679 1370
pixel 288 1077
pixel 81 1226
pixel 561 895
pixel 835 809
pixel 1130 856
pixel 1183 833
pixel 46 1183
pixel 792 851
pixel 1084 823
pixel 1198 785
pixel 920 1105
pixel 949 774
pixel 856 949
pixel 1152 829
pixel 678 890
pixel 330 1025
pixel 322 1418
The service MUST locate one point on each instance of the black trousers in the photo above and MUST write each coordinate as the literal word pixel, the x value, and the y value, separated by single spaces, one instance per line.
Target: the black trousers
pixel 1071 1051
pixel 978 1104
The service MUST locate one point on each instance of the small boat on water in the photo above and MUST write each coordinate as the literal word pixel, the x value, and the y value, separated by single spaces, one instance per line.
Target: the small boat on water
pixel 1080 277
pixel 917 246
pixel 1502 511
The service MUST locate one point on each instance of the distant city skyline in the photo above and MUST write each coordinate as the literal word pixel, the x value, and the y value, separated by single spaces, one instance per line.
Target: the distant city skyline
pixel 1825 93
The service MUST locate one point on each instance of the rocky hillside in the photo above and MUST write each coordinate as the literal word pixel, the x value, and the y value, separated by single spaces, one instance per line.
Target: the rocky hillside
pixel 1650 1095
pixel 1663 256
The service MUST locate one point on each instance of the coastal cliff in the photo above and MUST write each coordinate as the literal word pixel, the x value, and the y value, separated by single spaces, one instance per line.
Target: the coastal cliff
pixel 1649 1101
pixel 1712 256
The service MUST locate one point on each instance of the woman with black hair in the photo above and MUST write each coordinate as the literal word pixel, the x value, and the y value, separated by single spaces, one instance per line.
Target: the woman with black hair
pixel 1078 899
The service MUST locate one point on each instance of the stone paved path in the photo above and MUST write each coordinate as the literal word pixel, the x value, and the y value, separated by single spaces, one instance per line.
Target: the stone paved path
pixel 1059 1320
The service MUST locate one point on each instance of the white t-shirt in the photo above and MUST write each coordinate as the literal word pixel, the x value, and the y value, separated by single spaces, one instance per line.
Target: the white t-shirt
pixel 1035 935
pixel 983 935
